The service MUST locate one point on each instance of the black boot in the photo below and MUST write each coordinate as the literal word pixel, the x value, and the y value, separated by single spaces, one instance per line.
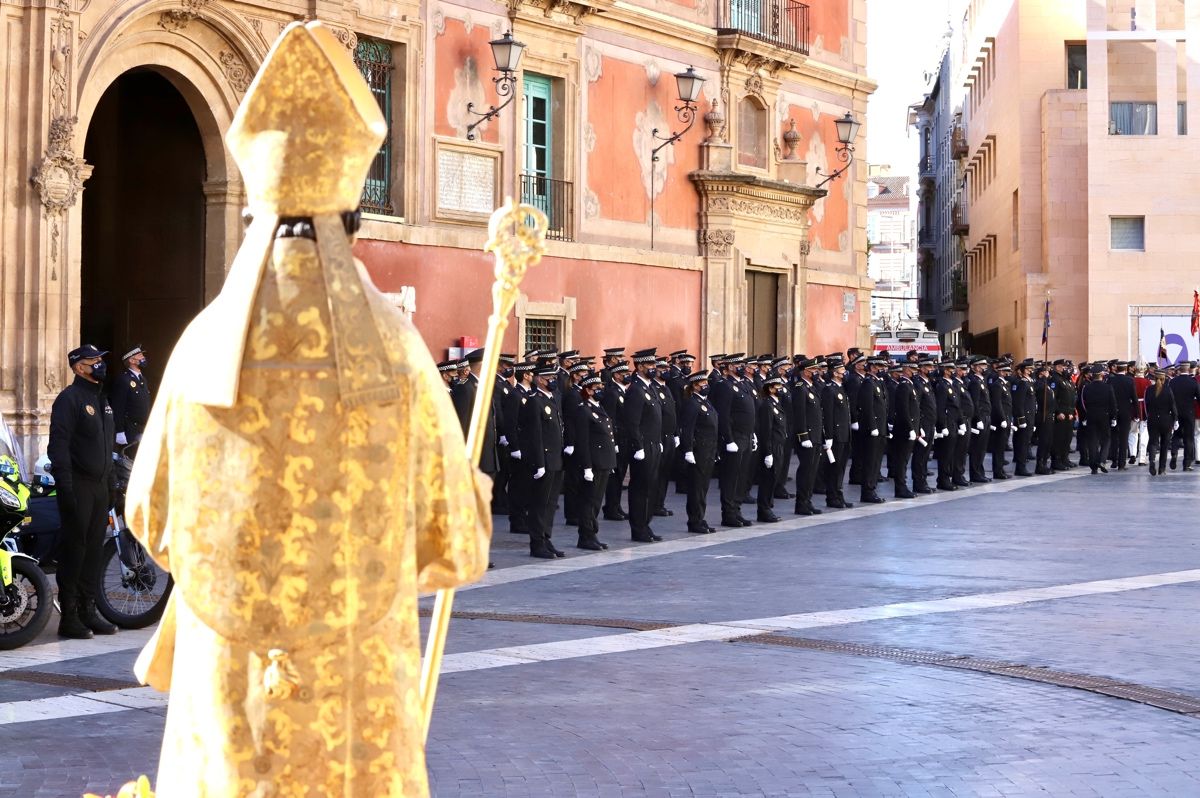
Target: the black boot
pixel 93 619
pixel 69 624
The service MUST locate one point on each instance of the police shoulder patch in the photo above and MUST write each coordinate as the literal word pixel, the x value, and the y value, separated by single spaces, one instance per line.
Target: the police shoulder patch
pixel 839 397
pixel 91 411
pixel 133 383
pixel 547 410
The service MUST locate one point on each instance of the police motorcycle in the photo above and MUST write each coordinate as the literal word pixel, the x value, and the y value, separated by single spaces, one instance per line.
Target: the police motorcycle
pixel 133 588
pixel 25 597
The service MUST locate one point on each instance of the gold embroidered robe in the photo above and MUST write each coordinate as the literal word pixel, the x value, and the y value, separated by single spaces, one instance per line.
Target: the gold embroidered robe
pixel 296 524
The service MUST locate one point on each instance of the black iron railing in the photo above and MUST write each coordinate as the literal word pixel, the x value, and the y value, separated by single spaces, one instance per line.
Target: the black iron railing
pixel 783 23
pixel 374 60
pixel 958 291
pixel 556 199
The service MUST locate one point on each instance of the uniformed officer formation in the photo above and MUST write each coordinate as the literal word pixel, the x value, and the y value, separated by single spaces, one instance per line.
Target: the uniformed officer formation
pixel 564 425
pixel 87 421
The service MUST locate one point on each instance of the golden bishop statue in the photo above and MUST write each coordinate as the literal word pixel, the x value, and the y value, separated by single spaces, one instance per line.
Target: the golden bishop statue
pixel 302 476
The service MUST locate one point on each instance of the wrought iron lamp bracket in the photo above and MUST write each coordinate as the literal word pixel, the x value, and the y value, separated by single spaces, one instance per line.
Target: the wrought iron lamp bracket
pixel 505 87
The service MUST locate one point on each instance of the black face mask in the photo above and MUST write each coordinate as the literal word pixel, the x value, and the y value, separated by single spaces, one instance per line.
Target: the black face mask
pixel 99 370
pixel 702 391
pixel 552 385
pixel 506 373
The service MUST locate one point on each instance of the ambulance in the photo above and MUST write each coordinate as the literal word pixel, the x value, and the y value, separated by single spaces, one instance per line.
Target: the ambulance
pixel 907 336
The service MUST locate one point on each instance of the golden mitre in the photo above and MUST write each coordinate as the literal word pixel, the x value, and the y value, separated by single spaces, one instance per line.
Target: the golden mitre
pixel 309 127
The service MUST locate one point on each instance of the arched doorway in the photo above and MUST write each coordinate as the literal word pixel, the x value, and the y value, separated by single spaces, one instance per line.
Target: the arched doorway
pixel 143 221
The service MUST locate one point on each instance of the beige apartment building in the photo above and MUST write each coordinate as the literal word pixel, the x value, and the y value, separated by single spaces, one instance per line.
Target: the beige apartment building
pixel 1079 181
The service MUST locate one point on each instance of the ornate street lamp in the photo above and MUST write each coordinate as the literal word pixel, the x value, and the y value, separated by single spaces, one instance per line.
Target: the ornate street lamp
pixel 688 85
pixel 847 130
pixel 506 52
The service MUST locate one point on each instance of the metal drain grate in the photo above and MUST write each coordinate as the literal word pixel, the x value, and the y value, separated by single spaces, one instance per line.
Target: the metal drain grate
pixel 1101 685
pixel 91 684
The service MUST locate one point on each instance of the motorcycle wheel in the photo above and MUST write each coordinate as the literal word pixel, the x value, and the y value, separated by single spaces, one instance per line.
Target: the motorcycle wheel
pixel 137 601
pixel 32 605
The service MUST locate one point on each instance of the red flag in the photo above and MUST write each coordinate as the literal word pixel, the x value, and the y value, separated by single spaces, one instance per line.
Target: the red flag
pixel 1195 312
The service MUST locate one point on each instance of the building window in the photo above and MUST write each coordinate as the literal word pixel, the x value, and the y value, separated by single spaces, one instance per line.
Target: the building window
pixel 1076 66
pixel 374 60
pixel 1128 233
pixel 1133 119
pixel 752 134
pixel 541 185
pixel 544 335
pixel 1016 220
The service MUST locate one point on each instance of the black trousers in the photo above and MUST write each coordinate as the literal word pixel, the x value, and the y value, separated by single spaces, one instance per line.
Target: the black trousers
pixel 766 478
pixel 781 469
pixel 1120 446
pixel 835 473
pixel 872 461
pixel 1160 442
pixel 946 448
pixel 729 478
pixel 1187 431
pixel 616 483
pixel 962 452
pixel 665 466
pixel 572 476
pixel 591 494
pixel 500 481
pixel 998 446
pixel 1097 442
pixel 920 464
pixel 900 450
pixel 806 473
pixel 1062 441
pixel 1045 443
pixel 750 462
pixel 978 451
pixel 697 478
pixel 84 518
pixel 643 481
pixel 543 502
pixel 857 456
pixel 520 491
pixel 1021 440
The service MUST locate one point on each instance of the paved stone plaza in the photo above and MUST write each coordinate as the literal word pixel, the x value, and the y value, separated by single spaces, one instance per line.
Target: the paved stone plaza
pixel 1028 637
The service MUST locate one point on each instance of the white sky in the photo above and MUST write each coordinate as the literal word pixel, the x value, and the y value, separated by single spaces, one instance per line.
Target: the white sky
pixel 904 40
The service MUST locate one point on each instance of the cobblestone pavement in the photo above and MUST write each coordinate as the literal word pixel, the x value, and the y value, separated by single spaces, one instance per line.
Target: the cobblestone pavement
pixel 642 671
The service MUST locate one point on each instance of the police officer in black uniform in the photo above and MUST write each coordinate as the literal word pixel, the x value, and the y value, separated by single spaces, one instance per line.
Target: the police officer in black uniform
pixel 1098 419
pixel 771 430
pixel 950 424
pixel 736 415
pixel 670 438
pixel 835 421
pixel 698 441
pixel 1024 416
pixel 643 429
pixel 905 425
pixel 520 486
pixel 1186 391
pixel 1000 394
pixel 613 401
pixel 981 402
pixel 927 432
pixel 82 436
pixel 809 432
pixel 595 457
pixel 505 381
pixel 1125 393
pixel 962 444
pixel 129 397
pixel 541 434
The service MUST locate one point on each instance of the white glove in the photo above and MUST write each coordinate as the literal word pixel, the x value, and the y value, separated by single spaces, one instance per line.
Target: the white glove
pixel 689 458
pixel 1022 425
pixel 769 460
pixel 541 472
pixel 516 455
pixel 828 443
pixel 912 435
pixel 922 435
pixel 992 427
pixel 754 442
pixel 588 476
pixel 979 425
pixel 806 444
pixel 1084 424
pixel 503 440
pixel 569 450
pixel 1114 422
pixel 121 439
pixel 640 454
pixel 1176 427
pixel 731 447
pixel 854 426
pixel 660 449
pixel 962 429
pixel 945 431
pixel 874 433
pixel 676 440
pixel 889 427
pixel 1003 425
pixel 974 431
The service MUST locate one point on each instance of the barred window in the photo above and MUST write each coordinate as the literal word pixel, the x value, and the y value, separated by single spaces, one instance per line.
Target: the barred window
pixel 374 60
pixel 542 334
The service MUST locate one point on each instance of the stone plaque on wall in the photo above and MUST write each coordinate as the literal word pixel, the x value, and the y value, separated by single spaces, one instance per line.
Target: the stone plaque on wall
pixel 466 183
